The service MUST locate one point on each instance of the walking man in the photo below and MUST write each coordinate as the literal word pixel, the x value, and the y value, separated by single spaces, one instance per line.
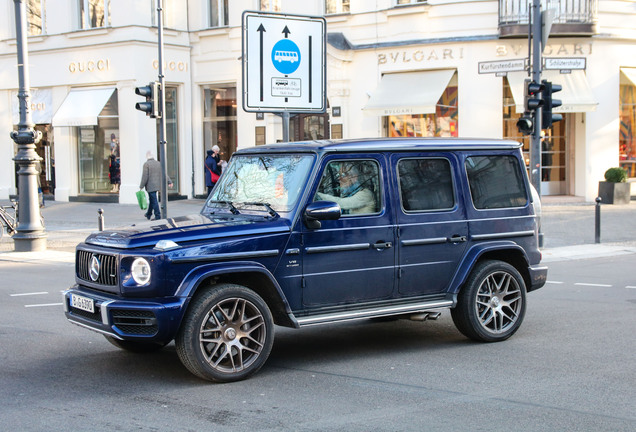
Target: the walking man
pixel 151 180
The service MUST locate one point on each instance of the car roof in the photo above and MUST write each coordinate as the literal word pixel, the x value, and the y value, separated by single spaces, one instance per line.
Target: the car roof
pixel 384 144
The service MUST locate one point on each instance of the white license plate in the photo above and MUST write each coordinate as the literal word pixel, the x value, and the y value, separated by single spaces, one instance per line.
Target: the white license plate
pixel 83 303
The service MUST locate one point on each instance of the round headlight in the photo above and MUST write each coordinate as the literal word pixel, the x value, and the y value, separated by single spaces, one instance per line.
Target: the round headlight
pixel 140 271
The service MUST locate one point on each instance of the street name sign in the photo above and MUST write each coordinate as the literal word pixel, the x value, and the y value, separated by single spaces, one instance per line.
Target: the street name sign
pixel 502 66
pixel 284 63
pixel 564 63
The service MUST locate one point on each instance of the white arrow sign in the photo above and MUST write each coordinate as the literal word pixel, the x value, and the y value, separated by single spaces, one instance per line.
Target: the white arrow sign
pixel 284 63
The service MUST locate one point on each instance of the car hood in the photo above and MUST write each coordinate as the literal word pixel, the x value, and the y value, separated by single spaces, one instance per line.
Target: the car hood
pixel 198 227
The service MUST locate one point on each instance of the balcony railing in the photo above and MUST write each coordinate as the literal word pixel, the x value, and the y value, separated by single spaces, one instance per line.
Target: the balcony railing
pixel 572 17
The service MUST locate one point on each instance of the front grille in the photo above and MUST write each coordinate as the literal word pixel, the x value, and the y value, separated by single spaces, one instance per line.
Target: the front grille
pixel 135 322
pixel 107 269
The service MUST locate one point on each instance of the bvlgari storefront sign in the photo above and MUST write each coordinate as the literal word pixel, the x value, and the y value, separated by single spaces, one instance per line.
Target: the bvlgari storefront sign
pixel 41 101
pixel 420 55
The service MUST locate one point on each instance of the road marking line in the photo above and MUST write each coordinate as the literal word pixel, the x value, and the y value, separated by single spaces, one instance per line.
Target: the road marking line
pixel 43 305
pixel 28 294
pixel 555 282
pixel 631 287
pixel 593 285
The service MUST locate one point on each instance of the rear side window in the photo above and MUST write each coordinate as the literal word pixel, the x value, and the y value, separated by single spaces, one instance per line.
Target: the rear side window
pixel 425 184
pixel 496 182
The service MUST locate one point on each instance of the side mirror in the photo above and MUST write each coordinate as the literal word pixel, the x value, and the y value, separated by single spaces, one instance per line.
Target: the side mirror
pixel 321 210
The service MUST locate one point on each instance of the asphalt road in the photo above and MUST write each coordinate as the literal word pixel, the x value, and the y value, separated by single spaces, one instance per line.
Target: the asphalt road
pixel 570 367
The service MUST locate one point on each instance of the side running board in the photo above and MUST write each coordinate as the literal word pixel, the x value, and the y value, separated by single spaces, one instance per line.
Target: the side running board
pixel 376 312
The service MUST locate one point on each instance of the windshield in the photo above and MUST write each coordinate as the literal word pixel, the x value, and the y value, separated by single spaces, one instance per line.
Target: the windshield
pixel 274 180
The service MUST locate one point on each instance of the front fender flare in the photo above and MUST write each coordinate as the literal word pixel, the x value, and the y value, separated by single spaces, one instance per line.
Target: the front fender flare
pixel 196 277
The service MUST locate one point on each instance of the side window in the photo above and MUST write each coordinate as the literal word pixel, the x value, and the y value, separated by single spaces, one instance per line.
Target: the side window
pixel 496 182
pixel 425 184
pixel 353 184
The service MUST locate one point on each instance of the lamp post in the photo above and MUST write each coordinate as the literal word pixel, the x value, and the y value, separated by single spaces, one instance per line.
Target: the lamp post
pixel 30 234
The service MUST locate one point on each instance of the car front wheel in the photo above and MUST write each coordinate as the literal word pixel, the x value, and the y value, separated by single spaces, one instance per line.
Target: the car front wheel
pixel 226 335
pixel 492 304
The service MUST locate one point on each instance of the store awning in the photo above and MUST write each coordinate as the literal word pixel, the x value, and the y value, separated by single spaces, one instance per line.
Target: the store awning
pixel 576 95
pixel 630 73
pixel 408 93
pixel 81 107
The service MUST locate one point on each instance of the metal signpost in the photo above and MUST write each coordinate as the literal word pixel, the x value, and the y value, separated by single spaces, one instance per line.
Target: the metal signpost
pixel 30 234
pixel 284 64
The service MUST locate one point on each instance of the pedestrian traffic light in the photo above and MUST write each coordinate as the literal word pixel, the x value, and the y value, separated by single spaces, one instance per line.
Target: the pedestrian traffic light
pixel 532 95
pixel 548 104
pixel 525 124
pixel 151 105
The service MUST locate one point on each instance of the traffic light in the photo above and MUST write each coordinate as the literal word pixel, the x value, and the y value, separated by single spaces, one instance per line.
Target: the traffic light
pixel 152 94
pixel 525 124
pixel 531 102
pixel 532 95
pixel 549 103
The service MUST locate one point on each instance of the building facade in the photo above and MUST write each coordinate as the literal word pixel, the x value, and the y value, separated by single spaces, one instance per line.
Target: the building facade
pixel 394 68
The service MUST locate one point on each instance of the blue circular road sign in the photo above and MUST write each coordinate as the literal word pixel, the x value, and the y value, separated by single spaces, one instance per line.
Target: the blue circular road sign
pixel 286 56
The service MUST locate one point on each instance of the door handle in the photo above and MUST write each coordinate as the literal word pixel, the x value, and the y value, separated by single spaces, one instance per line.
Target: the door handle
pixel 382 245
pixel 457 239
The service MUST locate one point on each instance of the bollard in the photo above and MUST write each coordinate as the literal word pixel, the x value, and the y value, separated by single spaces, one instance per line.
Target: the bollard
pixel 100 220
pixel 597 221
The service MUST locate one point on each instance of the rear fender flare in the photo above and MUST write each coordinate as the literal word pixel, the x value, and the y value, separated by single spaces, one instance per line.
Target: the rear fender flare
pixel 476 252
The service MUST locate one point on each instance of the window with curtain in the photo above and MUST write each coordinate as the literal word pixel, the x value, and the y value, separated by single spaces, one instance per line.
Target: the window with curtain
pixel 270 5
pixel 94 13
pixel 337 6
pixel 408 2
pixel 218 13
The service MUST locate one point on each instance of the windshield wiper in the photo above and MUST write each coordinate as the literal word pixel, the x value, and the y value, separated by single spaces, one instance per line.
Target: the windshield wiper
pixel 233 209
pixel 270 210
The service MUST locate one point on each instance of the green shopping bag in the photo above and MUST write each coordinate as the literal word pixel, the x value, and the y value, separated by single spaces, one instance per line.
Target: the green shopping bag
pixel 142 199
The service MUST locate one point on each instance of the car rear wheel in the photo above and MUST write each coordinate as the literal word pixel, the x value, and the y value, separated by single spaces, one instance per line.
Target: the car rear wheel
pixel 136 347
pixel 227 334
pixel 492 304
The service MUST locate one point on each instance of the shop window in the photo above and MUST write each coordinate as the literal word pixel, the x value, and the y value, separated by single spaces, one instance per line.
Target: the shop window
pixel 218 13
pixel 35 17
pixel 172 138
pixel 336 131
pixel 270 5
pixel 337 6
pixel 99 152
pixel 260 135
pixel 443 123
pixel 94 13
pixel 309 127
pixel 219 122
pixel 627 135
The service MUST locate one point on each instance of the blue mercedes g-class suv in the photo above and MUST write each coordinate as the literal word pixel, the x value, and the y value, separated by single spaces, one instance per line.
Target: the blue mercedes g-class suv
pixel 311 233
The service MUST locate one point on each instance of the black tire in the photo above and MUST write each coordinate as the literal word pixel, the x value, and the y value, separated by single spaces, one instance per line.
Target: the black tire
pixel 135 347
pixel 492 303
pixel 226 335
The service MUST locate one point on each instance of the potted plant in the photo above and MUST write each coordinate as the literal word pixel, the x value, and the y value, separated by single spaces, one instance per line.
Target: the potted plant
pixel 615 189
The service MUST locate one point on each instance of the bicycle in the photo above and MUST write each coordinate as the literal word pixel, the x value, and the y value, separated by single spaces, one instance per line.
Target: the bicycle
pixel 10 219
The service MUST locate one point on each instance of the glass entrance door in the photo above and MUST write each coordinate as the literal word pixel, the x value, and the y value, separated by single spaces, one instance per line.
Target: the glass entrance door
pixel 554 159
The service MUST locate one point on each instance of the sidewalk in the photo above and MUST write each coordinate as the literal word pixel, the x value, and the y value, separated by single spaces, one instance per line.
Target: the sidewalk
pixel 567 224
